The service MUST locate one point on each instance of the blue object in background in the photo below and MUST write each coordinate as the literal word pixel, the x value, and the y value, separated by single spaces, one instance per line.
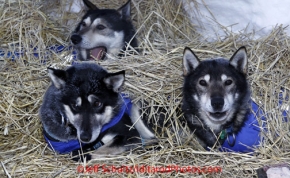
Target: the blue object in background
pixel 13 55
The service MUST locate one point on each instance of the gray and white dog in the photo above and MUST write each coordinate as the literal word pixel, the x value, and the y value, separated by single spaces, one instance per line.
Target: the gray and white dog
pixel 84 108
pixel 215 94
pixel 103 31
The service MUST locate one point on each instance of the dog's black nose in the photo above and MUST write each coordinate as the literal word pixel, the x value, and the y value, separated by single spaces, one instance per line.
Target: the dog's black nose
pixel 85 137
pixel 217 103
pixel 76 39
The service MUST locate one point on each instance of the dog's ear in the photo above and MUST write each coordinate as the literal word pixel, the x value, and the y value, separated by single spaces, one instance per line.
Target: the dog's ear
pixel 190 61
pixel 125 10
pixel 57 76
pixel 115 80
pixel 90 5
pixel 239 60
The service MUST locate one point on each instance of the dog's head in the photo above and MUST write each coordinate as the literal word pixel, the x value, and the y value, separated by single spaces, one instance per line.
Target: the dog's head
pixel 89 97
pixel 101 31
pixel 216 87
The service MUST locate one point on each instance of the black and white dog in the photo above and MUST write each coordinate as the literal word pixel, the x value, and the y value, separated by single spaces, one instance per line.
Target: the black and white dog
pixel 104 31
pixel 216 96
pixel 83 108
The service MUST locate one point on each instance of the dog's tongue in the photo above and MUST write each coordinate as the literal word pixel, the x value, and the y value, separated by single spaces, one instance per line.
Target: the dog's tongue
pixel 97 53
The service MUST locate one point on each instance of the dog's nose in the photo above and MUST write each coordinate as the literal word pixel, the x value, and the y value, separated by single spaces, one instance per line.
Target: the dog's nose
pixel 76 39
pixel 217 103
pixel 85 137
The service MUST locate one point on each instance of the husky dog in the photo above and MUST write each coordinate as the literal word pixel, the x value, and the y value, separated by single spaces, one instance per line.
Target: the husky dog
pixel 216 96
pixel 83 106
pixel 103 31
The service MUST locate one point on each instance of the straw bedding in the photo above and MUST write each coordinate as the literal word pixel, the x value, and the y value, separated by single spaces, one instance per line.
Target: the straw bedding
pixel 155 74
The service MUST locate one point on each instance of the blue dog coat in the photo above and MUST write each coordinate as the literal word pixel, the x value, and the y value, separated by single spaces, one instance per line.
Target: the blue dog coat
pixel 249 135
pixel 71 145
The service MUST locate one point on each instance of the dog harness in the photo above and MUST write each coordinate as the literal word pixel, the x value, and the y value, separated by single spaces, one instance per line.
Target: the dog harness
pixel 249 135
pixel 71 145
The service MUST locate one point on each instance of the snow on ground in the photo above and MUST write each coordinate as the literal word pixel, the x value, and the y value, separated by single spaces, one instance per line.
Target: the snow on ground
pixel 212 17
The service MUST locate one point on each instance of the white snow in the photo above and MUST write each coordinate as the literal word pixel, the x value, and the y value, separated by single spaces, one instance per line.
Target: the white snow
pixel 75 6
pixel 259 16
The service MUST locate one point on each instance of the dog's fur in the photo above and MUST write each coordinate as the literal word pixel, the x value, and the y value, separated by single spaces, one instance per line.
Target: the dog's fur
pixel 104 31
pixel 81 100
pixel 215 94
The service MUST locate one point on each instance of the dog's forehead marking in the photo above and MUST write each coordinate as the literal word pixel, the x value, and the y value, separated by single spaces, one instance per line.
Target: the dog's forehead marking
pixel 224 77
pixel 87 20
pixel 79 101
pixel 96 21
pixel 91 98
pixel 207 77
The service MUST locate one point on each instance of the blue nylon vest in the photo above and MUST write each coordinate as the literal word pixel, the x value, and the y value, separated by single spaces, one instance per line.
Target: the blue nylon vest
pixel 71 145
pixel 249 135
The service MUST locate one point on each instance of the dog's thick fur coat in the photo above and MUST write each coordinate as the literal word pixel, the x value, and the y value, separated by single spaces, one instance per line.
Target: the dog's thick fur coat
pixel 84 99
pixel 104 31
pixel 215 95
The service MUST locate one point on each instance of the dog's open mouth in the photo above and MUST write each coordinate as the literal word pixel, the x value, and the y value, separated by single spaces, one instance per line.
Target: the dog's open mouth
pixel 218 115
pixel 98 53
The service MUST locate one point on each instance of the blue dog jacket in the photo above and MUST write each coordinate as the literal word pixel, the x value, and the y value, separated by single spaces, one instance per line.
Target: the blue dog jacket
pixel 249 135
pixel 71 145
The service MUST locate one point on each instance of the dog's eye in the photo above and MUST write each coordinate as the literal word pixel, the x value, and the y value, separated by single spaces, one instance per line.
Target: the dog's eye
pixel 228 82
pixel 97 104
pixel 83 24
pixel 202 82
pixel 75 106
pixel 100 27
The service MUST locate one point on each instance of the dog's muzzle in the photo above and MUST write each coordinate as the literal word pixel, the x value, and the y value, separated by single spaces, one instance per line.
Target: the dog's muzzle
pixel 76 39
pixel 217 103
pixel 218 115
pixel 97 53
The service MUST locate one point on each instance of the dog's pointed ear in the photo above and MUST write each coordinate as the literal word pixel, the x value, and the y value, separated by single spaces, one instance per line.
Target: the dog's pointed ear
pixel 125 10
pixel 115 80
pixel 90 5
pixel 190 61
pixel 239 60
pixel 57 76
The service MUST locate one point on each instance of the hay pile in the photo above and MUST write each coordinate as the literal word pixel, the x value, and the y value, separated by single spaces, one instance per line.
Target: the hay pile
pixel 154 75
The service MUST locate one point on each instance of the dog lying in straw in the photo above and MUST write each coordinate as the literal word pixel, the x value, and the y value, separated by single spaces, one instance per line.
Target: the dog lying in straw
pixel 83 108
pixel 216 102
